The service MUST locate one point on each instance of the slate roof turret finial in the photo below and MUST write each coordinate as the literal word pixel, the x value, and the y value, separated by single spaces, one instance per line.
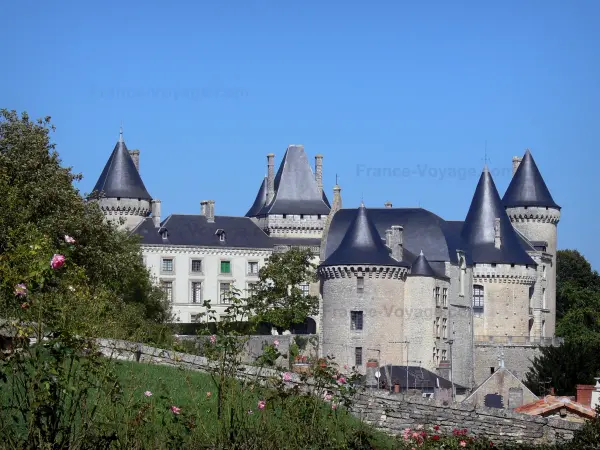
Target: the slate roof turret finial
pixel 362 244
pixel 527 187
pixel 481 228
pixel 120 178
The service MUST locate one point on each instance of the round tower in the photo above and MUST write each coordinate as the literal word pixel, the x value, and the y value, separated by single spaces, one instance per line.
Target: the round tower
pixel 363 297
pixel 123 197
pixel 535 214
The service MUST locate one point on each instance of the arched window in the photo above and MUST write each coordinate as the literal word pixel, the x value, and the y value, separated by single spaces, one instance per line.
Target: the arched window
pixel 477 298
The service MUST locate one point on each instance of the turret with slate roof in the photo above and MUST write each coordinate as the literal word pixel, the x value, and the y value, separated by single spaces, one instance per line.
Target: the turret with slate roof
pixel 293 201
pixel 421 267
pixel 534 213
pixel 121 193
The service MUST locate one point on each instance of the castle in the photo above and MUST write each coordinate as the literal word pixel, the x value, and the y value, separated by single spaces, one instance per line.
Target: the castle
pixel 397 285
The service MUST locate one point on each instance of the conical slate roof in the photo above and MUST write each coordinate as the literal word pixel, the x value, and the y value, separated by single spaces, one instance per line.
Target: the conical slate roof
pixel 527 187
pixel 260 201
pixel 362 244
pixel 296 190
pixel 120 178
pixel 478 228
pixel 422 268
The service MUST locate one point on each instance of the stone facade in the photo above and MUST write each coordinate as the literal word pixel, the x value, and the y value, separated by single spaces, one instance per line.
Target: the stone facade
pixel 126 213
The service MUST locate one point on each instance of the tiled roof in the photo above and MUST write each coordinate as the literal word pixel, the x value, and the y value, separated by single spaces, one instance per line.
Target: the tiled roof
pixel 551 403
pixel 527 187
pixel 120 178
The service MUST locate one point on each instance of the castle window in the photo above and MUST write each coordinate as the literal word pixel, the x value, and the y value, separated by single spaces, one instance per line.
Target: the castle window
pixel 478 298
pixel 437 296
pixel 358 356
pixel 197 265
pixel 252 289
pixel 544 272
pixel 305 288
pixel 444 355
pixel 437 327
pixel 224 293
pixel 225 267
pixel 543 328
pixel 544 305
pixel 444 329
pixel 167 265
pixel 445 297
pixel 194 318
pixel 302 216
pixel 167 287
pixel 360 284
pixel 356 320
pixel 319 216
pixel 196 292
pixel 253 268
pixel 284 216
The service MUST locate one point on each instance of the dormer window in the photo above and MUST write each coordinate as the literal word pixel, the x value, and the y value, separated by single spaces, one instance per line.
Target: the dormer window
pixel 221 233
pixel 164 233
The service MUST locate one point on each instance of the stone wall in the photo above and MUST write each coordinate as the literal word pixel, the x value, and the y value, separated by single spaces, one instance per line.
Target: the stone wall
pixel 517 359
pixel 388 412
pixel 392 413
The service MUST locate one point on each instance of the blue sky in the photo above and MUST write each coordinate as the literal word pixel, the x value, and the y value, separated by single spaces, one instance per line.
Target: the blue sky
pixel 206 89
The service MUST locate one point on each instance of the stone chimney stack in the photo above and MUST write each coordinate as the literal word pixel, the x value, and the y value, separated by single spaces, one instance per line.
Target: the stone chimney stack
pixel 270 177
pixel 156 212
pixel 516 162
pixel 497 237
pixel 207 209
pixel 319 172
pixel 397 242
pixel 337 198
pixel 388 204
pixel 135 155
pixel 388 238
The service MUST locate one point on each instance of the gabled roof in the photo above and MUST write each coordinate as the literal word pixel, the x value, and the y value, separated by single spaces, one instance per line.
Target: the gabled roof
pixel 502 377
pixel 296 190
pixel 362 244
pixel 421 267
pixel 527 187
pixel 478 229
pixel 418 378
pixel 550 403
pixel 196 230
pixel 120 178
pixel 260 201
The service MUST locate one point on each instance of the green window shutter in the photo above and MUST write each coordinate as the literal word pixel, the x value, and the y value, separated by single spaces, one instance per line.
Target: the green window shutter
pixel 225 267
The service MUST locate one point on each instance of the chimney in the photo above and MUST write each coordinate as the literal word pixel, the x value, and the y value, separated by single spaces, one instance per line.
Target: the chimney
pixel 270 177
pixel 388 238
pixel 595 402
pixel 497 238
pixel 135 155
pixel 319 172
pixel 584 394
pixel 337 198
pixel 516 161
pixel 388 204
pixel 207 209
pixel 397 242
pixel 156 212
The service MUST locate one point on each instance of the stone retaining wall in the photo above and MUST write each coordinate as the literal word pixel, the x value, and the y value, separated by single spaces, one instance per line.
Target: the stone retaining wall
pixel 391 413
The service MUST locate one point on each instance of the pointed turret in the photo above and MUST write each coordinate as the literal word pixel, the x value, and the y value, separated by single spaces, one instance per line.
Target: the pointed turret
pixel 260 201
pixel 120 178
pixel 362 244
pixel 487 229
pixel 296 191
pixel 527 187
pixel 422 268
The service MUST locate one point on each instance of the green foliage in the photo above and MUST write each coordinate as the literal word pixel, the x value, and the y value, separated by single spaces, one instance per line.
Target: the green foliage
pixel 278 298
pixel 563 367
pixel 104 288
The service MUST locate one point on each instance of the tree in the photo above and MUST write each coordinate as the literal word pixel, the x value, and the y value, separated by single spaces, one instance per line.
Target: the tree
pixel 563 367
pixel 39 206
pixel 278 298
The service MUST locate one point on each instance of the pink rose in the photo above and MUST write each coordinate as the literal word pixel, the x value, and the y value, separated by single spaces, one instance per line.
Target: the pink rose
pixel 345 366
pixel 341 380
pixel 287 376
pixel 463 444
pixel 20 290
pixel 213 339
pixel 57 261
pixel 148 394
pixel 334 406
pixel 327 397
pixel 276 343
pixel 69 239
pixel 175 410
pixel 262 404
pixel 208 394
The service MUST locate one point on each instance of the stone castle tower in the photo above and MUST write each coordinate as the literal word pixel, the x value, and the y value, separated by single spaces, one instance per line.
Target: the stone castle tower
pixel 534 213
pixel 123 197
